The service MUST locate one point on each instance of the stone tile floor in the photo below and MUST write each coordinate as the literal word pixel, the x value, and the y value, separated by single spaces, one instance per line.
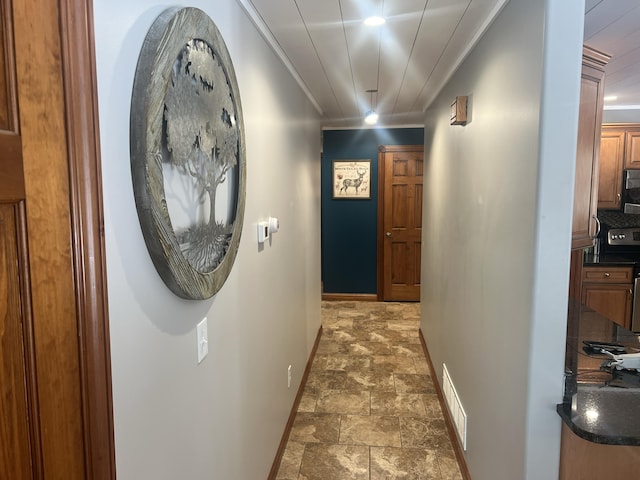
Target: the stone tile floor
pixel 369 409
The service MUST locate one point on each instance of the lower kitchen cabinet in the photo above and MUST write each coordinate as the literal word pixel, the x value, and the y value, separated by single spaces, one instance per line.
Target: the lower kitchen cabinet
pixel 609 291
pixel 584 460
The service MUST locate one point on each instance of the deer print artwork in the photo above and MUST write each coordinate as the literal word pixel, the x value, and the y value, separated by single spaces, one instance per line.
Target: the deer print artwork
pixel 351 179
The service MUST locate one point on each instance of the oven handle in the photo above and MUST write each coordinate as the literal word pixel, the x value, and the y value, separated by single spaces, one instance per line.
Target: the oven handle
pixel 598 226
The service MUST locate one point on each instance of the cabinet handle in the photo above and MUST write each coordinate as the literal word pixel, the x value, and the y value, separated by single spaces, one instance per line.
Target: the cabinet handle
pixel 619 196
pixel 607 274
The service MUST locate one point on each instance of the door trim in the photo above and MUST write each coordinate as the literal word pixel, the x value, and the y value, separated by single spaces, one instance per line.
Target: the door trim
pixel 382 149
pixel 88 245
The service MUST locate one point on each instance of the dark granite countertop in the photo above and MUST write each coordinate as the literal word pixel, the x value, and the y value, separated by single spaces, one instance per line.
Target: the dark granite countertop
pixel 591 260
pixel 592 407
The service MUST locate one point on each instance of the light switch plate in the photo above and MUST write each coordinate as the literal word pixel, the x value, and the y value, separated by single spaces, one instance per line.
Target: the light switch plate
pixel 203 339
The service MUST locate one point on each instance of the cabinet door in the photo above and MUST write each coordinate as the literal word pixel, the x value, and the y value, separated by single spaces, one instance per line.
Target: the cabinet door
pixel 632 151
pixel 610 181
pixel 585 200
pixel 612 301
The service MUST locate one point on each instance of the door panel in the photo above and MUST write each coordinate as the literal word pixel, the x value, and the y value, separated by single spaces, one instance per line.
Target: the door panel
pixel 399 207
pixel 401 221
pixel 15 435
pixel 417 205
pixel 19 428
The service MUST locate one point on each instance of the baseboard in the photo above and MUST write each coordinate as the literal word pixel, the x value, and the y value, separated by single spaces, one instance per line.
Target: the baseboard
pixel 294 409
pixel 455 440
pixel 350 297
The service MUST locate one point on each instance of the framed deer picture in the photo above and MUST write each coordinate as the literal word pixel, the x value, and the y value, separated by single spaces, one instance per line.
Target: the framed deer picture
pixel 352 179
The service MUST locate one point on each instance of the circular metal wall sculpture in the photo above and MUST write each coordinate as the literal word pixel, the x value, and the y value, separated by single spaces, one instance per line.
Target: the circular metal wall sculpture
pixel 188 152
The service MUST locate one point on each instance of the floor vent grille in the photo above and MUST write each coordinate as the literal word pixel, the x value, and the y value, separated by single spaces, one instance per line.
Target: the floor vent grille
pixel 455 406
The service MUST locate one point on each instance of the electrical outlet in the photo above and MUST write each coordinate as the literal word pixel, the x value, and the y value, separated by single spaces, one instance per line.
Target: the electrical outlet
pixel 203 339
pixel 289 377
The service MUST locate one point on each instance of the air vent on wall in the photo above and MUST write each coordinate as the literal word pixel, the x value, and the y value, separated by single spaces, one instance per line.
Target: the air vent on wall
pixel 455 406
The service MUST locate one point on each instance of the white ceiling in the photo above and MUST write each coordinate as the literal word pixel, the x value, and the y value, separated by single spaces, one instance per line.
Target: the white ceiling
pixel 613 27
pixel 337 59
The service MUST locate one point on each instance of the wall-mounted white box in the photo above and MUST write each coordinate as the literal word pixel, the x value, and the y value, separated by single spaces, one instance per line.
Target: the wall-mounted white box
pixel 263 232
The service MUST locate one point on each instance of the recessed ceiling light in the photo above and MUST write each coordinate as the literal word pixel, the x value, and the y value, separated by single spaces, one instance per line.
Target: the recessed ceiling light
pixel 374 21
pixel 610 98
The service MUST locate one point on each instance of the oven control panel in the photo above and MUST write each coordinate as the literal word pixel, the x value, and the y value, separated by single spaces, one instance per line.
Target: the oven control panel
pixel 624 236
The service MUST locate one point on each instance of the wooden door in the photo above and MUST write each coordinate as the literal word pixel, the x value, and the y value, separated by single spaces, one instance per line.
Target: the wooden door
pixel 55 397
pixel 19 431
pixel 399 222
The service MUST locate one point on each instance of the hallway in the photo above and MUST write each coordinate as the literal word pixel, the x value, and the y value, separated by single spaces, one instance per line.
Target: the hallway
pixel 369 409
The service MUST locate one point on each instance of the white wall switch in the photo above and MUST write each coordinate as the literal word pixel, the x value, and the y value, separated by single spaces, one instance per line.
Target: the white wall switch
pixel 203 339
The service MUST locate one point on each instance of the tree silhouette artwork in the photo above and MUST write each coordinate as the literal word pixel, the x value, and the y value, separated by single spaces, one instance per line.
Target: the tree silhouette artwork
pixel 202 145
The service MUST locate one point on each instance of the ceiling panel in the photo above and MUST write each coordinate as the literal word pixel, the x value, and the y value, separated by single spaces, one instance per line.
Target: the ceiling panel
pixel 324 24
pixel 612 26
pixel 469 30
pixel 438 27
pixel 337 59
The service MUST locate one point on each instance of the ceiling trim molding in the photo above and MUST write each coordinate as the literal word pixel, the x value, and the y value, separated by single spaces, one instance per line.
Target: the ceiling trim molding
pixel 275 46
pixel 375 127
pixel 470 46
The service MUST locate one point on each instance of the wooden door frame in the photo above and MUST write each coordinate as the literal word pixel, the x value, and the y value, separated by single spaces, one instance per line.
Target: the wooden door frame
pixel 67 355
pixel 88 245
pixel 382 149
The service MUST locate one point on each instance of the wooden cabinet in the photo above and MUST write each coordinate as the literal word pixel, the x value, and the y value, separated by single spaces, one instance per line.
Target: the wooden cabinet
pixel 609 291
pixel 611 165
pixel 583 460
pixel 632 147
pixel 585 202
pixel 619 150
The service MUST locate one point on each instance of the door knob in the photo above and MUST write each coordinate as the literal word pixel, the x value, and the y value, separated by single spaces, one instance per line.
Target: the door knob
pixel 388 234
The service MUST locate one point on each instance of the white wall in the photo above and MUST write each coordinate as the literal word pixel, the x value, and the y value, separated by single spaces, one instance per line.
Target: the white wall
pixel 621 116
pixel 223 418
pixel 498 201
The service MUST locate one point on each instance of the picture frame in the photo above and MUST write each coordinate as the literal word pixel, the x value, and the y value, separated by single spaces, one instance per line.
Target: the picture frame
pixel 351 179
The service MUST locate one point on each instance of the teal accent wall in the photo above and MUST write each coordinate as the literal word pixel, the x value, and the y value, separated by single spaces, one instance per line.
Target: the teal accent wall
pixel 349 227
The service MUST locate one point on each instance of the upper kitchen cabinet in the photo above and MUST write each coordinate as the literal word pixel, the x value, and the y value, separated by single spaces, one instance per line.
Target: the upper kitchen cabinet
pixel 585 200
pixel 611 165
pixel 619 150
pixel 632 147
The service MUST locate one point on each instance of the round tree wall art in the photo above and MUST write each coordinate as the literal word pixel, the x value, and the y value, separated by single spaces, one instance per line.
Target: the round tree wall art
pixel 188 152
